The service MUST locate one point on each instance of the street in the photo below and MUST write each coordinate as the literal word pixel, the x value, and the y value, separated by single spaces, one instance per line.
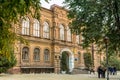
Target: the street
pixel 52 76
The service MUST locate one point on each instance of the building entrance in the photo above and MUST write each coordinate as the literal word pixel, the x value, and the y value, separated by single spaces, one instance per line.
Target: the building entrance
pixel 64 62
pixel 67 60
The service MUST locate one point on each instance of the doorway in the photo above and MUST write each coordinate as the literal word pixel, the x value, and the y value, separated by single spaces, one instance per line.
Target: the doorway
pixel 64 62
pixel 67 60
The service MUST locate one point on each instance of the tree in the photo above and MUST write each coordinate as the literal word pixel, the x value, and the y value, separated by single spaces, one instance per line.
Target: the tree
pixel 95 19
pixel 113 61
pixel 10 13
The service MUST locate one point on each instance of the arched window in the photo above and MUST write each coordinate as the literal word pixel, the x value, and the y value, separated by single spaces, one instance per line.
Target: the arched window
pixel 46 30
pixel 25 26
pixel 36 28
pixel 79 57
pixel 46 55
pixel 68 34
pixel 82 38
pixel 77 39
pixel 36 54
pixel 61 32
pixel 25 53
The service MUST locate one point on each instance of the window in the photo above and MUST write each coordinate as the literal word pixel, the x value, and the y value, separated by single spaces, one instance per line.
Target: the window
pixel 104 58
pixel 46 30
pixel 82 38
pixel 68 34
pixel 61 32
pixel 36 55
pixel 25 26
pixel 25 53
pixel 46 55
pixel 77 39
pixel 36 28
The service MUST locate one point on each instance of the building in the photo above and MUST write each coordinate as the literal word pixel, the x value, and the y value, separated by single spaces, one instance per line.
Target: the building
pixel 47 39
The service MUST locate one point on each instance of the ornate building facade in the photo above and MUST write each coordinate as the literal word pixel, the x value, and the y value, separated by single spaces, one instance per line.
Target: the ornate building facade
pixel 47 39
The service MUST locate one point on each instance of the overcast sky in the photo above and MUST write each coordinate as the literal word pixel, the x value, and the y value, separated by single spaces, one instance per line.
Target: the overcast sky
pixel 51 2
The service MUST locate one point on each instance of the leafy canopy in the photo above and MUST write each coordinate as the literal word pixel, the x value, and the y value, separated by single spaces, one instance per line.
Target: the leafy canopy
pixel 10 13
pixel 95 19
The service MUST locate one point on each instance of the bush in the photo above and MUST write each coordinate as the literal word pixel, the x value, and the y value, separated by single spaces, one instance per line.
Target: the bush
pixel 87 60
pixel 6 63
pixel 64 66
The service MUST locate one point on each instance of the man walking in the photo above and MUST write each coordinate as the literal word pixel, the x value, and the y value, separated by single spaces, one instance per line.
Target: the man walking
pixel 99 70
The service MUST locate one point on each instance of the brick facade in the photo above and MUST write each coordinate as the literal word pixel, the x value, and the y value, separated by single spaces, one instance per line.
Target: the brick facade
pixel 54 17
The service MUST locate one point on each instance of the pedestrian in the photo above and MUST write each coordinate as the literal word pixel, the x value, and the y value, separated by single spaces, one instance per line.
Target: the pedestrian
pixel 99 71
pixel 114 71
pixel 110 69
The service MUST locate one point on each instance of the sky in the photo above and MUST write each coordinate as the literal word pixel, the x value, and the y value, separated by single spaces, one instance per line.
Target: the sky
pixel 51 2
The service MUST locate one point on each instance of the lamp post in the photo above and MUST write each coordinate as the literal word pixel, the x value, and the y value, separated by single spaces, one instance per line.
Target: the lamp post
pixel 106 39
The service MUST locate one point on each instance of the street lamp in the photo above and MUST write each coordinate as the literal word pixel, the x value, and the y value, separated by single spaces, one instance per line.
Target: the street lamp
pixel 106 39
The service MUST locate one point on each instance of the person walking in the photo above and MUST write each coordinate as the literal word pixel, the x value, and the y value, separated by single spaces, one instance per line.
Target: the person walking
pixel 114 71
pixel 99 70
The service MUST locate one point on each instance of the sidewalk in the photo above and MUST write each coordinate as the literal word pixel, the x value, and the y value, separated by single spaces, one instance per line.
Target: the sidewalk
pixel 53 76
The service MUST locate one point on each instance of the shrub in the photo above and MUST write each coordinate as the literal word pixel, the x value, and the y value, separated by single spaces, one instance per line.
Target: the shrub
pixel 6 63
pixel 87 60
pixel 64 66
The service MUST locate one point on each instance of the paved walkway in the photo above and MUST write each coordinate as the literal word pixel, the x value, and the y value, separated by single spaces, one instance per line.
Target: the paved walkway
pixel 52 76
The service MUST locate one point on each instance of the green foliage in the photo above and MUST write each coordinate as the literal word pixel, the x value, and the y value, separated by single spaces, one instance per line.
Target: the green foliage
pixel 6 63
pixel 10 13
pixel 95 19
pixel 11 9
pixel 113 61
pixel 87 60
pixel 64 66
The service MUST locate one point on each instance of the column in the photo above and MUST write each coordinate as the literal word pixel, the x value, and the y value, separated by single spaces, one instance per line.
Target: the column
pixel 57 63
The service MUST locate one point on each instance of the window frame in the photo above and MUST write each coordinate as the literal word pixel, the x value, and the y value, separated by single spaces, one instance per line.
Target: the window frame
pixel 36 28
pixel 25 26
pixel 46 57
pixel 62 32
pixel 78 39
pixel 24 54
pixel 46 30
pixel 69 35
pixel 36 54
